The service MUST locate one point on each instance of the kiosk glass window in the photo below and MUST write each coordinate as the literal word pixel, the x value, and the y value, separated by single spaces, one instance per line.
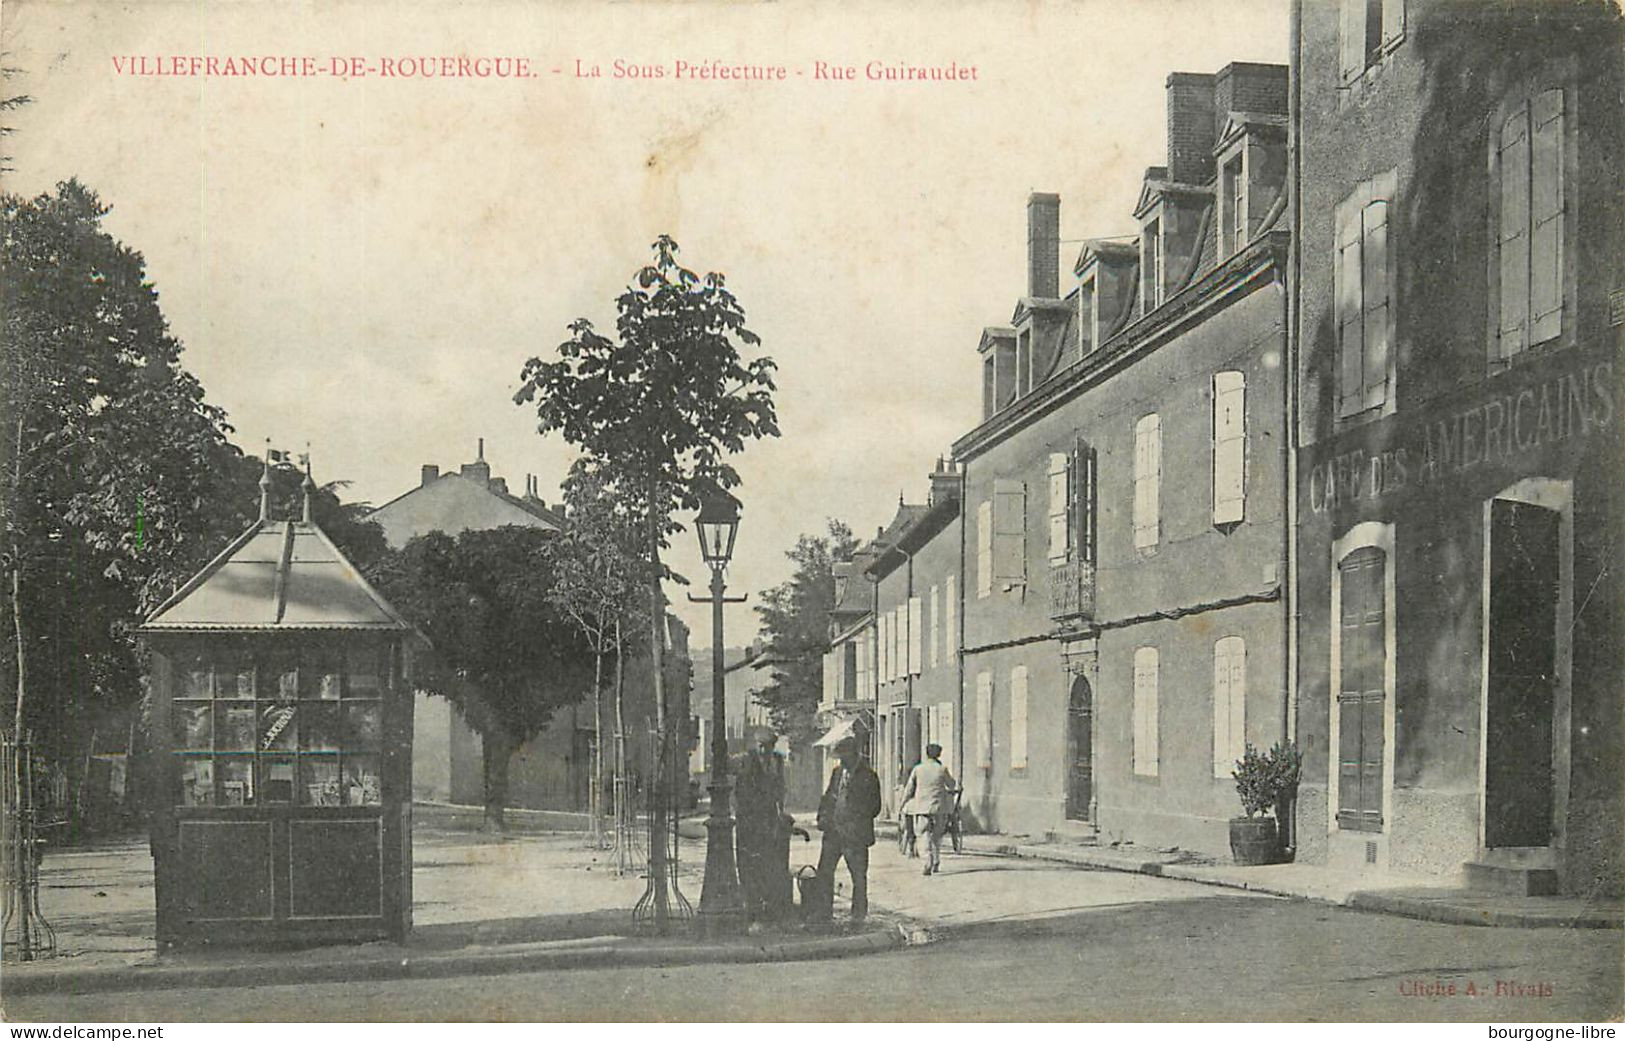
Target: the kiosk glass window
pixel 280 728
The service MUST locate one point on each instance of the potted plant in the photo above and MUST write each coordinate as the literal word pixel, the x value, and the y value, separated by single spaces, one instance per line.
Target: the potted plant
pixel 1266 782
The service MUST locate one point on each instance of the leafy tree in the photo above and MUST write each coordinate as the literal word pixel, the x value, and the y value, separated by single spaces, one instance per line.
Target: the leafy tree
pixel 504 652
pixel 114 464
pixel 795 624
pixel 656 412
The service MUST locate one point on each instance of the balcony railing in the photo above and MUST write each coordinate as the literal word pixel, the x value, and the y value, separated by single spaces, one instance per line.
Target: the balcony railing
pixel 1072 591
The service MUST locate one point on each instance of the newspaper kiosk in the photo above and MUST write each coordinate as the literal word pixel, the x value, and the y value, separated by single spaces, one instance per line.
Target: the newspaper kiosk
pixel 282 729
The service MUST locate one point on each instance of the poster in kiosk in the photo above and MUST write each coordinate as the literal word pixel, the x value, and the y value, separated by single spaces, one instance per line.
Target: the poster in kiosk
pixel 282 731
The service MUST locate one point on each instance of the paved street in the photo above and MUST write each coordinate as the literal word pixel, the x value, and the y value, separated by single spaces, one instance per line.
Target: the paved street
pixel 1022 940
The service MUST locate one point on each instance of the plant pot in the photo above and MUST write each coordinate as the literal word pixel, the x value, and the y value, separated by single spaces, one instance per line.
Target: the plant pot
pixel 1253 840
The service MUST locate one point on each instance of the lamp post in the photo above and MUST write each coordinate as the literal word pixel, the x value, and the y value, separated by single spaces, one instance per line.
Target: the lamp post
pixel 722 908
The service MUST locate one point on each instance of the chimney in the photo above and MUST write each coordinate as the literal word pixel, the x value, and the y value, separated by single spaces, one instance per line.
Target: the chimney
pixel 499 485
pixel 1044 245
pixel 479 470
pixel 1245 86
pixel 431 474
pixel 1190 127
pixel 944 482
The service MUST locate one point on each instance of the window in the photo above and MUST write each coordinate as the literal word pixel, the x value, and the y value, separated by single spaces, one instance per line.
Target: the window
pixel 1361 688
pixel 1229 704
pixel 1009 533
pixel 984 719
pixel 1018 718
pixel 888 647
pixel 1229 447
pixel 1145 712
pixel 1370 28
pixel 1147 480
pixel 1086 316
pixel 1530 282
pixel 984 548
pixel 281 728
pixel 915 631
pixel 1151 281
pixel 1083 500
pixel 1234 203
pixel 1060 533
pixel 950 630
pixel 1363 297
pixel 936 624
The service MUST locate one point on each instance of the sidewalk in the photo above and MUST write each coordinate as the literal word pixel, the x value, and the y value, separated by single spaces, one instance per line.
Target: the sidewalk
pixel 534 899
pixel 1429 899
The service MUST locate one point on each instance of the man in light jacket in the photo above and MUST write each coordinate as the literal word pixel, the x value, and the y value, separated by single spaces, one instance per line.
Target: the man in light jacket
pixel 929 796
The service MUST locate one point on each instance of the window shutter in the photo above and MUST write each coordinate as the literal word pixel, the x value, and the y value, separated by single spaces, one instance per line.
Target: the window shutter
pixel 984 548
pixel 1009 531
pixel 899 628
pixel 1229 703
pixel 1375 306
pixel 882 630
pixel 950 630
pixel 1393 21
pixel 945 728
pixel 1145 712
pixel 1361 690
pixel 1058 497
pixel 930 725
pixel 936 624
pixel 915 631
pixel 1221 709
pixel 831 678
pixel 1229 446
pixel 984 719
pixel 1350 313
pixel 1018 717
pixel 1546 217
pixel 1147 478
pixel 1514 234
pixel 1351 51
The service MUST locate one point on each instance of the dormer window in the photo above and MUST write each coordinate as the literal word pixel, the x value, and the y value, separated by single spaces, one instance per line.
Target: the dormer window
pixel 1233 203
pixel 1088 330
pixel 1151 265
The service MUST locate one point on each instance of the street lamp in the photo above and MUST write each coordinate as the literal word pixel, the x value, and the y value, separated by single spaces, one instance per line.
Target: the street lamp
pixel 722 909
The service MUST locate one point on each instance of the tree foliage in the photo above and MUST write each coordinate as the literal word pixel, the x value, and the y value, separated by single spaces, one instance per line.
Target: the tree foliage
pixel 795 625
pixel 115 466
pixel 504 652
pixel 658 409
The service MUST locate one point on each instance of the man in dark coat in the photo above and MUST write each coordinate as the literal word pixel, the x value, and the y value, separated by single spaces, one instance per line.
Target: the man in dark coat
pixel 762 829
pixel 846 816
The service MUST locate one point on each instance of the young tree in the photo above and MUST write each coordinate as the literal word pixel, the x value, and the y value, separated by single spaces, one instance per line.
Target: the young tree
pixel 503 651
pixel 599 583
pixel 795 623
pixel 656 412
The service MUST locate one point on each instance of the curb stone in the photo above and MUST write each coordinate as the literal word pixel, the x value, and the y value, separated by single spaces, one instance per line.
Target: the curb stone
pixel 556 956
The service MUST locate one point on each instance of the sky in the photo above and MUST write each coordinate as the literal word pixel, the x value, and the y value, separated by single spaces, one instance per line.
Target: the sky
pixel 364 263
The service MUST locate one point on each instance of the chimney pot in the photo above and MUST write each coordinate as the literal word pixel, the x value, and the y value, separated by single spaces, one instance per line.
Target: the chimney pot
pixel 1044 245
pixel 431 473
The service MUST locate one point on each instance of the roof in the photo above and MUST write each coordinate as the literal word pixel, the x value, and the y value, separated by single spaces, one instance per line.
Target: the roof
pixel 911 528
pixel 276 576
pixel 453 503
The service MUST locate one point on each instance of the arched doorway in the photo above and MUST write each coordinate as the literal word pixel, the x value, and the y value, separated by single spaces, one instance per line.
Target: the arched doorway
pixel 1080 750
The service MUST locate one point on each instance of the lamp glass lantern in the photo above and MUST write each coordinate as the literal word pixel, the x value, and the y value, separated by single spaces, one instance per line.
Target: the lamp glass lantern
pixel 717 524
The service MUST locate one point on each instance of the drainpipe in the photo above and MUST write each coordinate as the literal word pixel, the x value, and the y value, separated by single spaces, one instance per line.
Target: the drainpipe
pixel 1289 708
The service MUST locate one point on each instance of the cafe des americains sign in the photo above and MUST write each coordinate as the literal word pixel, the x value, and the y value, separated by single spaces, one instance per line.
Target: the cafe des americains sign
pixel 1496 430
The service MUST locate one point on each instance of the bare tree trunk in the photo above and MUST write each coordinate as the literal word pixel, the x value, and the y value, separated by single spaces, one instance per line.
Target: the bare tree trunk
pixel 625 818
pixel 657 653
pixel 595 798
pixel 499 749
pixel 17 577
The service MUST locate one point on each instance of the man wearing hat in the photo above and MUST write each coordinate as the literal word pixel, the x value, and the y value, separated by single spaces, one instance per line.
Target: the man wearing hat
pixel 846 816
pixel 762 829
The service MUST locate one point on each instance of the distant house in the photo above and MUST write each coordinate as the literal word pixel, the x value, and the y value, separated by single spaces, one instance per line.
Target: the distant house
pixel 552 771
